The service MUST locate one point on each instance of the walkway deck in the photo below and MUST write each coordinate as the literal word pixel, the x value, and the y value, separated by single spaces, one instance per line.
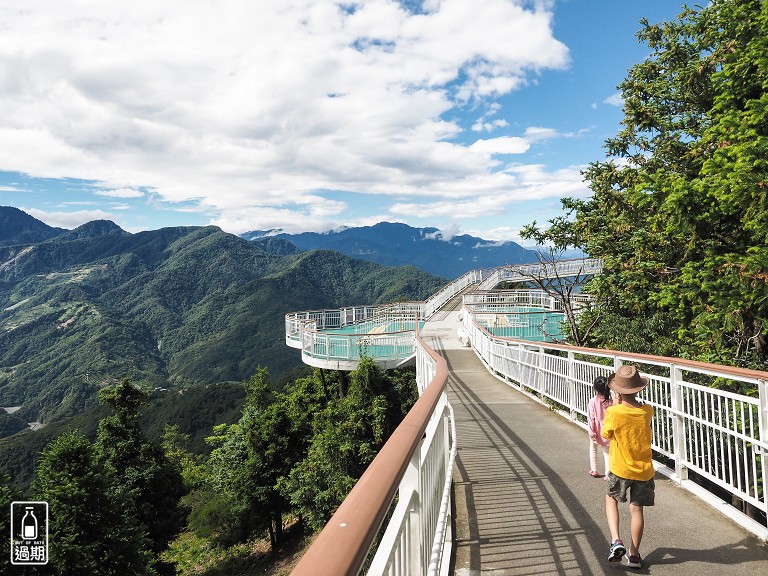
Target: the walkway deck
pixel 525 504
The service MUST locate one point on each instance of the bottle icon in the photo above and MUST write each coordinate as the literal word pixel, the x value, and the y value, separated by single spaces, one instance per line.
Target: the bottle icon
pixel 29 525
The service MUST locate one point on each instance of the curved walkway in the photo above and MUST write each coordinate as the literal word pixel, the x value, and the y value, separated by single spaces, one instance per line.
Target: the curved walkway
pixel 525 505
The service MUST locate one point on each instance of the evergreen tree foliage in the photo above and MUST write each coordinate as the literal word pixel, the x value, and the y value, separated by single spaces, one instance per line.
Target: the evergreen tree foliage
pixel 138 468
pixel 348 434
pixel 7 495
pixel 296 451
pixel 190 465
pixel 250 458
pixel 679 209
pixel 91 526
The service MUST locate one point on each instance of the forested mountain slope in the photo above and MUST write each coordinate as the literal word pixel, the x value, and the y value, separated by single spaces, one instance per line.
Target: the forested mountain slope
pixel 18 227
pixel 170 307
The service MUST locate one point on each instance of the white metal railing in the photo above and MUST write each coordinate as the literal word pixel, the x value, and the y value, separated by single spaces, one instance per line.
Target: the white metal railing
pixel 402 308
pixel 521 272
pixel 442 296
pixel 541 326
pixel 323 320
pixel 343 351
pixel 417 539
pixel 720 436
pixel 533 298
pixel 336 318
pixel 507 298
pixel 416 465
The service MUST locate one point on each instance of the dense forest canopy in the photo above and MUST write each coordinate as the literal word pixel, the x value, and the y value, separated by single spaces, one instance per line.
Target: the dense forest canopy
pixel 161 508
pixel 679 210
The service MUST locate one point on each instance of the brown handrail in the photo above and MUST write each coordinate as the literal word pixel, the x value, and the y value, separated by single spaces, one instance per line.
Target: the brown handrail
pixel 637 356
pixel 342 546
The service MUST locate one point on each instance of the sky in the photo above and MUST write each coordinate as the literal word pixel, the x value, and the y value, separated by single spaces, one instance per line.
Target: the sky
pixel 472 117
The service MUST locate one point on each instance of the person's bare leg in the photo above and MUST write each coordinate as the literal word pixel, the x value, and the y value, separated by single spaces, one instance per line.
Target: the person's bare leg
pixel 592 455
pixel 612 513
pixel 637 523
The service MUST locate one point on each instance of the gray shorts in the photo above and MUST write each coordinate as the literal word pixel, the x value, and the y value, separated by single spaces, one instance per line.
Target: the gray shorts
pixel 641 492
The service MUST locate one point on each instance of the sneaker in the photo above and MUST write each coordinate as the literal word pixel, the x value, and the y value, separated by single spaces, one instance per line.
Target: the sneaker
pixel 617 551
pixel 594 474
pixel 634 562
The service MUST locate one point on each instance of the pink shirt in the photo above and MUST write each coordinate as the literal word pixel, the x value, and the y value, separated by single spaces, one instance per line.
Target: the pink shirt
pixel 595 415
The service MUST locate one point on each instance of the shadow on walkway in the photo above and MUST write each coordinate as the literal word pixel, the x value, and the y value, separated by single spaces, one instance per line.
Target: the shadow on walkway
pixel 525 504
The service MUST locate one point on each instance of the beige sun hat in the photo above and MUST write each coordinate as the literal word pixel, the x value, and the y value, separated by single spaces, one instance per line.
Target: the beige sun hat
pixel 627 380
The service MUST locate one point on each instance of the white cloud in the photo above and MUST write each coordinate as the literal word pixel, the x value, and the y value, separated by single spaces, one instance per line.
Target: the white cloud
pixel 250 108
pixel 614 100
pixel 121 193
pixel 517 184
pixel 502 145
pixel 68 219
pixel 445 235
pixel 535 133
pixel 500 234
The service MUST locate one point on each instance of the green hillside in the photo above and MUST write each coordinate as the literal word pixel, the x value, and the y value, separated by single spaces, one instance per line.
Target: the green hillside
pixel 167 308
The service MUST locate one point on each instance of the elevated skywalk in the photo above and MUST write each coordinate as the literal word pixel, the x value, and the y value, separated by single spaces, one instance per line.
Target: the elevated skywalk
pixel 490 465
pixel 525 505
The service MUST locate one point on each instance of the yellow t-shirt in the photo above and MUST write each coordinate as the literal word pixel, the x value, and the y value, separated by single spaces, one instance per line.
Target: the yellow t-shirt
pixel 629 430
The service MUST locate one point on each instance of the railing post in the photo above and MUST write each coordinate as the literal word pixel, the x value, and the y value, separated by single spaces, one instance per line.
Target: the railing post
pixel 762 388
pixel 410 489
pixel 572 385
pixel 539 371
pixel 679 443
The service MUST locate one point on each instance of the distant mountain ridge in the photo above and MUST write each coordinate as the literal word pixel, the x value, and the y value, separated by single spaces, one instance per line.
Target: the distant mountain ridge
pixel 174 307
pixel 18 227
pixel 394 244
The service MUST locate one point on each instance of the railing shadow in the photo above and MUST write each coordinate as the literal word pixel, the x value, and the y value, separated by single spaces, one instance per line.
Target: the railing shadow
pixel 532 521
pixel 532 509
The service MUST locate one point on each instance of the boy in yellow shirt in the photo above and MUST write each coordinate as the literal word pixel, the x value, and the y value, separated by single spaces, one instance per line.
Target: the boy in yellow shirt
pixel 628 425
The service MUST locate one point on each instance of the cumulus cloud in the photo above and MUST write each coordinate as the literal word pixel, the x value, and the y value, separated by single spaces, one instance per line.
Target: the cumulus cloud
pixel 252 107
pixel 522 182
pixel 535 133
pixel 614 100
pixel 502 145
pixel 500 234
pixel 445 235
pixel 121 193
pixel 68 219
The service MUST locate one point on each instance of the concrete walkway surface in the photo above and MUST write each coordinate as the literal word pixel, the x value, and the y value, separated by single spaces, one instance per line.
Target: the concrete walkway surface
pixel 525 504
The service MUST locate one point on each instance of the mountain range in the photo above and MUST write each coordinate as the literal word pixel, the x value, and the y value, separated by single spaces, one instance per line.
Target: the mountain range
pixel 169 308
pixel 392 244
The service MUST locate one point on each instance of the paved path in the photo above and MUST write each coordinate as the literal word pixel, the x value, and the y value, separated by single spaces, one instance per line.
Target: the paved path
pixel 525 505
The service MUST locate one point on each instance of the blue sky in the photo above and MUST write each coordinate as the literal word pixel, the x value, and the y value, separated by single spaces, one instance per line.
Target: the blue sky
pixel 471 117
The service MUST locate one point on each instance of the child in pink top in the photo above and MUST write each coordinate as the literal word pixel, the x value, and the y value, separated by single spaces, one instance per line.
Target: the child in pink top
pixel 595 414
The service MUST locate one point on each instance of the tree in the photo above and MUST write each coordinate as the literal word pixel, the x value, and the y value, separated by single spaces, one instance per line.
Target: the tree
pixel 138 468
pixel 679 209
pixel 176 449
pixel 91 527
pixel 564 289
pixel 7 495
pixel 254 454
pixel 348 434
